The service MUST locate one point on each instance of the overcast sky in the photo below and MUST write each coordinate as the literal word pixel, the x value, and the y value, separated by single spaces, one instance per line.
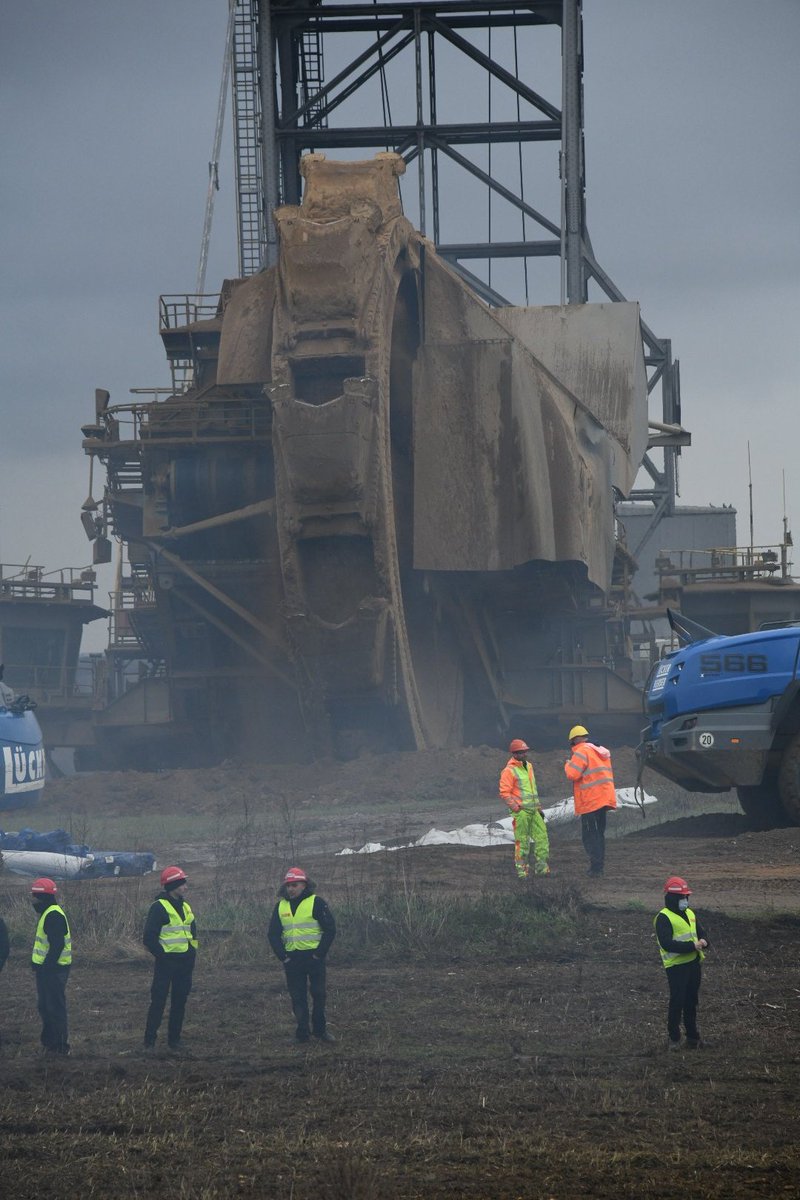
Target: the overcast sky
pixel 693 178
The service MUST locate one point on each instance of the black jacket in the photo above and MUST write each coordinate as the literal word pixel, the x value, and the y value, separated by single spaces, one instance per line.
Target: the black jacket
pixel 156 920
pixel 321 913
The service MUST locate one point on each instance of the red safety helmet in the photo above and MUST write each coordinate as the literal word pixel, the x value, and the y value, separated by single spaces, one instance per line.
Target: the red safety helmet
pixel 517 746
pixel 43 887
pixel 172 875
pixel 295 875
pixel 675 886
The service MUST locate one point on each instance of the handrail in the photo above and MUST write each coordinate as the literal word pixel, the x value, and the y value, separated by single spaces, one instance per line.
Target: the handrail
pixel 176 416
pixel 178 311
pixel 726 562
pixel 27 580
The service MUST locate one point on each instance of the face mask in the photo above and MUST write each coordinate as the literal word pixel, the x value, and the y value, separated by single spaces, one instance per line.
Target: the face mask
pixel 683 903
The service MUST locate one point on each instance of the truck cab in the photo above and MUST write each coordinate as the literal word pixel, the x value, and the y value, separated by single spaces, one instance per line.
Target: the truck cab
pixel 724 712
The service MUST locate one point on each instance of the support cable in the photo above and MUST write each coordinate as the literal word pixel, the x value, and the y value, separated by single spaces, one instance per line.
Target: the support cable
pixel 489 169
pixel 387 114
pixel 385 101
pixel 521 176
pixel 213 166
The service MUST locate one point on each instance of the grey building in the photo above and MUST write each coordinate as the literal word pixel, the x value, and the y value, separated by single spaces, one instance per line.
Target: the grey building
pixel 688 529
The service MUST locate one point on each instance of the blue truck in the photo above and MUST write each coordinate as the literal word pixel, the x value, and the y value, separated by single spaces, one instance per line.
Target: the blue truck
pixel 724 712
pixel 22 755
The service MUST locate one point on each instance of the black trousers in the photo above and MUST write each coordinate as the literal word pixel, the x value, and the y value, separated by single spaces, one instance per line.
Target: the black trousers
pixel 172 973
pixel 305 973
pixel 593 835
pixel 51 1000
pixel 684 990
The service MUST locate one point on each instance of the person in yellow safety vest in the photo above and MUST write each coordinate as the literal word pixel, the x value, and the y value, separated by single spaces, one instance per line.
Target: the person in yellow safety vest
pixel 518 789
pixel 682 942
pixel 170 934
pixel 51 960
pixel 301 930
pixel 589 771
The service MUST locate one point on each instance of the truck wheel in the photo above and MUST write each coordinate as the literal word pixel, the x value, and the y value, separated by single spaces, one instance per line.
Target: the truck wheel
pixel 789 780
pixel 762 805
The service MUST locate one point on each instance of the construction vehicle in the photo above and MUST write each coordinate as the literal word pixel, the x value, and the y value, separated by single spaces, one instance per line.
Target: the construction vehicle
pixel 22 760
pixel 376 508
pixel 22 771
pixel 724 712
pixel 42 615
pixel 376 490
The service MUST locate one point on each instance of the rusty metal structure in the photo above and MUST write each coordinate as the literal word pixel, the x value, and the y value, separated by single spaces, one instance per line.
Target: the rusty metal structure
pixel 732 589
pixel 42 615
pixel 376 508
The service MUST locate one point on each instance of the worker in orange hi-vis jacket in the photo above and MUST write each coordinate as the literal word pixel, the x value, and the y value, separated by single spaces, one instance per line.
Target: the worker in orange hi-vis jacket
pixel 518 789
pixel 590 772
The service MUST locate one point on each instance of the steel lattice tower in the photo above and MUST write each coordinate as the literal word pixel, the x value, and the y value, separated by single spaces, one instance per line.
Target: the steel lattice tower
pixel 284 107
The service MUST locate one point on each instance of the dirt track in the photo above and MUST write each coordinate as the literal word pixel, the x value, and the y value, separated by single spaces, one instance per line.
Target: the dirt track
pixel 218 817
pixel 495 1072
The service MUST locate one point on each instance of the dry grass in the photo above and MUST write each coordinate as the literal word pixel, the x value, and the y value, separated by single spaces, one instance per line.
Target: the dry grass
pixel 473 1060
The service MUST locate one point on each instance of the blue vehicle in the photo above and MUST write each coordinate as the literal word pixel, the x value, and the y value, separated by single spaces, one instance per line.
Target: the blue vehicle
pixel 724 712
pixel 22 756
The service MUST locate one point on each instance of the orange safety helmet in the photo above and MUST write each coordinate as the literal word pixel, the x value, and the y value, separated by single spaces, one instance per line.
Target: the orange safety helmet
pixel 675 886
pixel 43 887
pixel 517 746
pixel 171 876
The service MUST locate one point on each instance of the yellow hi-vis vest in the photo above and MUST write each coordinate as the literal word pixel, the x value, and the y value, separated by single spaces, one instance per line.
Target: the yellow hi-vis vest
pixel 41 942
pixel 300 930
pixel 528 793
pixel 680 934
pixel 176 937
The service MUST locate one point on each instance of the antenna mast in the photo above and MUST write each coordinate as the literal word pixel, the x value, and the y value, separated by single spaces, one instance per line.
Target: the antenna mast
pixel 750 490
pixel 213 166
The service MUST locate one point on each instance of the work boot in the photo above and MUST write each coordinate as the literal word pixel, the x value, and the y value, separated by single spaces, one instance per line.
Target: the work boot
pixel 325 1037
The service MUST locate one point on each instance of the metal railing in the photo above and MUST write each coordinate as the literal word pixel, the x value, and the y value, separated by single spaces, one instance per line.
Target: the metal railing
pixel 210 419
pixel 723 563
pixel 24 581
pixel 122 634
pixel 46 684
pixel 176 312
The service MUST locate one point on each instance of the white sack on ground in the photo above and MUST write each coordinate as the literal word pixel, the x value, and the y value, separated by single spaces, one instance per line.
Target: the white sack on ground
pixel 565 809
pixel 494 833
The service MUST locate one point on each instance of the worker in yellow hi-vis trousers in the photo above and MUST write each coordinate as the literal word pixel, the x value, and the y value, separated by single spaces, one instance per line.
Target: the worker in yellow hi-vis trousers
pixel 518 789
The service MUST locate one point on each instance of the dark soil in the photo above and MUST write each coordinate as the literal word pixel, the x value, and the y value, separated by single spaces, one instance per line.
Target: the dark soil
pixel 495 1074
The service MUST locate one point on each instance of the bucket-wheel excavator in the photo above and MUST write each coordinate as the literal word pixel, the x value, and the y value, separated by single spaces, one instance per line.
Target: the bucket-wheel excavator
pixel 376 507
pixel 382 512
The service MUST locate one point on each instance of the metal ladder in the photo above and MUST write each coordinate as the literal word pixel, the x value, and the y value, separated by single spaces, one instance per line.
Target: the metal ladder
pixel 247 133
pixel 312 75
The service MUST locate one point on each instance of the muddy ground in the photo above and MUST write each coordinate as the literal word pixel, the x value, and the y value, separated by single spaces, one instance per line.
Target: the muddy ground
pixel 526 1062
